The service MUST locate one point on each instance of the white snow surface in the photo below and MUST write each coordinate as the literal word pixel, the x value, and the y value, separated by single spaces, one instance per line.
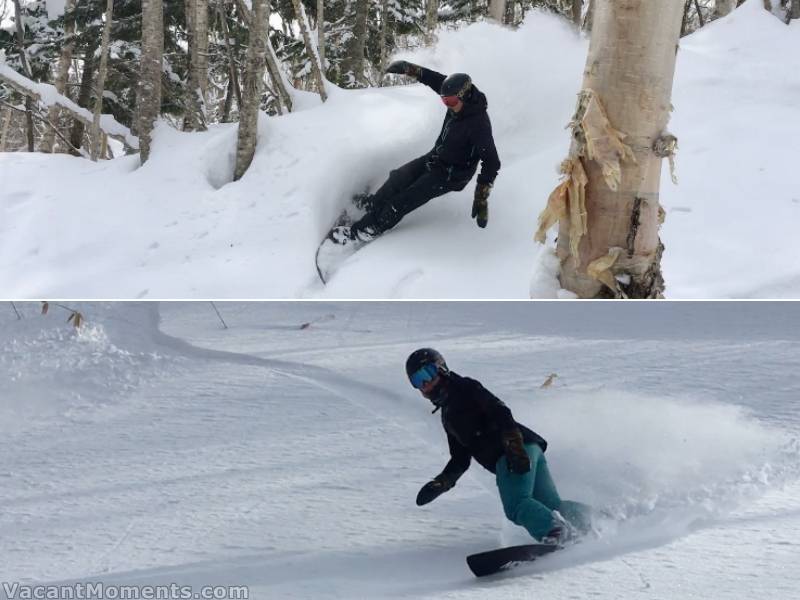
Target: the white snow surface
pixel 179 228
pixel 284 453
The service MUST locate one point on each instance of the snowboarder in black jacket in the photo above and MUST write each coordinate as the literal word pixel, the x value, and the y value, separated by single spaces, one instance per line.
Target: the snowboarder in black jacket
pixel 480 426
pixel 465 139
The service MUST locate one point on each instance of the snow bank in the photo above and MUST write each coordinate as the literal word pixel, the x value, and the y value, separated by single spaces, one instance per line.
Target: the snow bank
pixel 52 370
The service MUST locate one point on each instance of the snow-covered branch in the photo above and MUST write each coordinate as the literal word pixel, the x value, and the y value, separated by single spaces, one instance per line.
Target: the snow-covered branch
pixel 47 95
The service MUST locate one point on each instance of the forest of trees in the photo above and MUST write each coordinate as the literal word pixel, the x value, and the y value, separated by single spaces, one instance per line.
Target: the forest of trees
pixel 197 62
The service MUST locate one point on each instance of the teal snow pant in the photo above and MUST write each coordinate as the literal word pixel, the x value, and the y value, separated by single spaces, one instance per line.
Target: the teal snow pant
pixel 529 499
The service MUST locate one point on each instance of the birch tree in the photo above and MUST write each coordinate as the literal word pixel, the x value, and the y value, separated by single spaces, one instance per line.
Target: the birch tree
pixel 197 89
pixel 497 10
pixel 273 64
pixel 577 9
pixel 607 205
pixel 321 32
pixel 149 90
pixel 723 7
pixel 251 92
pixel 313 57
pixel 26 69
pixel 431 20
pixel 62 73
pixel 588 18
pixel 353 63
pixel 234 89
pixel 101 80
pixel 84 97
pixel 382 41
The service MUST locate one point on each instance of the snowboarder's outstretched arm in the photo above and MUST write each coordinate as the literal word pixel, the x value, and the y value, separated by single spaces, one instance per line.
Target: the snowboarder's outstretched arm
pixel 483 140
pixel 459 462
pixel 430 78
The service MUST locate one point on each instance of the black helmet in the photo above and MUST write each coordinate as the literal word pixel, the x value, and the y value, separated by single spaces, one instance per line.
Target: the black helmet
pixel 428 357
pixel 422 357
pixel 457 84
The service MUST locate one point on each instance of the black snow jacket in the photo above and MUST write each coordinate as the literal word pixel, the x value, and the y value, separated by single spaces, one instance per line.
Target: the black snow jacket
pixel 475 420
pixel 466 138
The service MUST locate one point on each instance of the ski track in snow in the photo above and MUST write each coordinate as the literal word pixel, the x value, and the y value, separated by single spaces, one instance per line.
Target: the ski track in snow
pixel 260 456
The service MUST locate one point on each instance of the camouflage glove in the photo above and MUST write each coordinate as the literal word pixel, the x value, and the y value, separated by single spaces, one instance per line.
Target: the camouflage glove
pixel 402 67
pixel 480 206
pixel 514 446
pixel 433 489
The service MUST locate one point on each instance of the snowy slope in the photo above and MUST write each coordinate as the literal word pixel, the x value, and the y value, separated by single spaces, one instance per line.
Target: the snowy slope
pixel 178 228
pixel 156 447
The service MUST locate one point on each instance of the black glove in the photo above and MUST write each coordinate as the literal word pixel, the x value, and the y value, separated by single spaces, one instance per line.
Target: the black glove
pixel 433 489
pixel 402 67
pixel 480 206
pixel 514 446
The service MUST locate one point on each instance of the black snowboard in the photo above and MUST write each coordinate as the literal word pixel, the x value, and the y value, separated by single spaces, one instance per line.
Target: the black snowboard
pixel 494 561
pixel 322 270
pixel 329 254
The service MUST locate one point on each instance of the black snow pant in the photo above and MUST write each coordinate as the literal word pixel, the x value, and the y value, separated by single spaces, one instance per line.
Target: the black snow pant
pixel 407 188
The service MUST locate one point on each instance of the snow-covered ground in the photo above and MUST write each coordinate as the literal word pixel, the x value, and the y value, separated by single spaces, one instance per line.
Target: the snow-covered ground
pixel 284 453
pixel 178 228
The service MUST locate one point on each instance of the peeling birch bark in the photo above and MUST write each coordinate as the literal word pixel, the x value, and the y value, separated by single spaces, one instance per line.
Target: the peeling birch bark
pixel 622 111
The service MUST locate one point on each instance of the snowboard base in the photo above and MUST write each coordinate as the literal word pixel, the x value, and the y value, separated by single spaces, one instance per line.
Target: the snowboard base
pixel 501 559
pixel 328 250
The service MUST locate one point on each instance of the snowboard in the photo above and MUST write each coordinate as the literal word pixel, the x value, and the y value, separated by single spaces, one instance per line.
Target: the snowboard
pixel 501 559
pixel 331 254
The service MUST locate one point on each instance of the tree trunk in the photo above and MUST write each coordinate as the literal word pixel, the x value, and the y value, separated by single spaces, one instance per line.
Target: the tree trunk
pixel 277 78
pixel 577 9
pixel 497 10
pixel 251 94
pixel 588 19
pixel 273 66
pixel 612 240
pixel 233 73
pixel 100 85
pixel 321 32
pixel 353 62
pixel 84 97
pixel 313 57
pixel 5 128
pixel 431 20
pixel 383 34
pixel 197 88
pixel 685 22
pixel 699 13
pixel 723 7
pixel 227 104
pixel 26 68
pixel 794 13
pixel 62 74
pixel 148 95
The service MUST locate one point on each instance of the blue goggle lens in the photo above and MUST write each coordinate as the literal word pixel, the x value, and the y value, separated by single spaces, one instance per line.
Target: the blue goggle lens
pixel 425 374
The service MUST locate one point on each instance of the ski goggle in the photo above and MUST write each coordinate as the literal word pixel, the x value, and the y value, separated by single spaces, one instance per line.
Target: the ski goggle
pixel 424 375
pixel 450 101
